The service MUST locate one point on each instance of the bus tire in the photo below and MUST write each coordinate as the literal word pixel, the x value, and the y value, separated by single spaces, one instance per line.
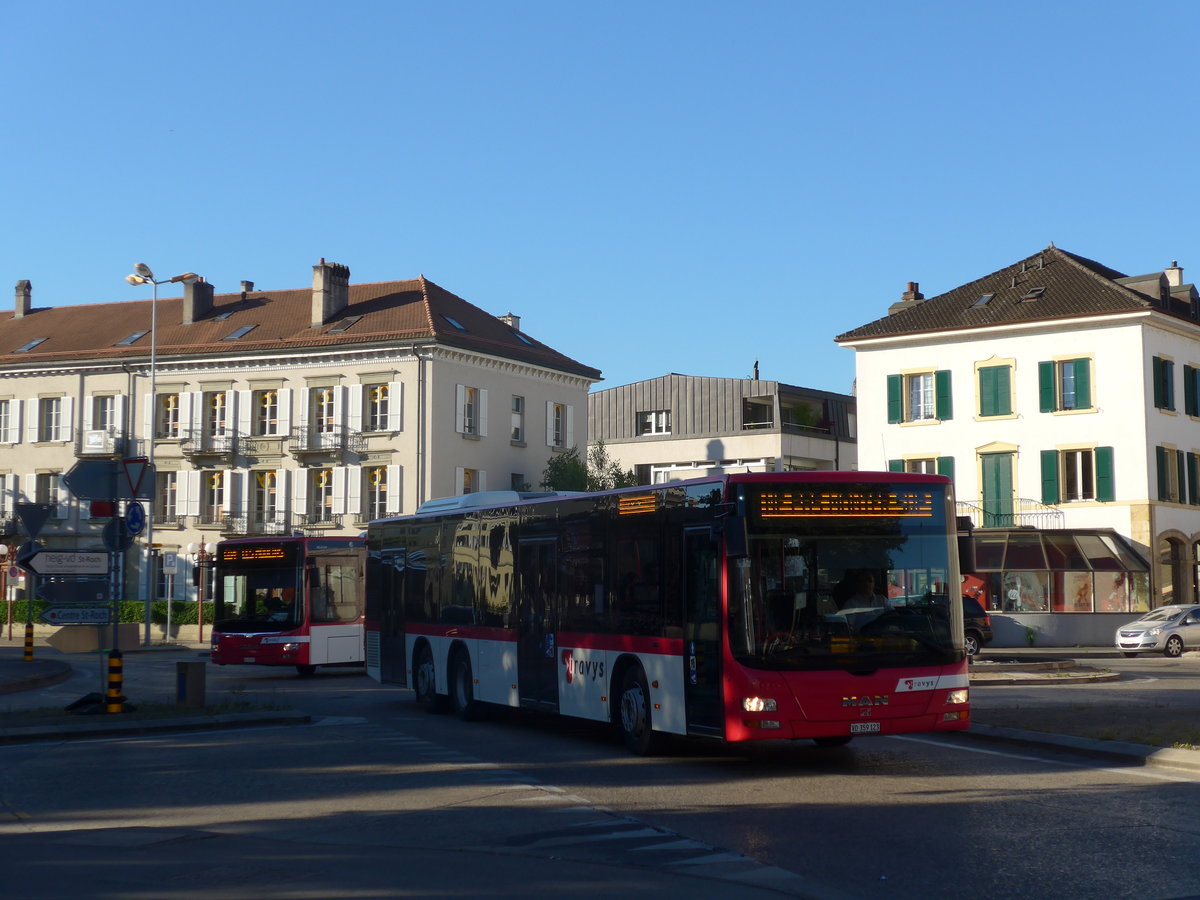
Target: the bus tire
pixel 633 714
pixel 462 688
pixel 837 740
pixel 425 681
pixel 306 671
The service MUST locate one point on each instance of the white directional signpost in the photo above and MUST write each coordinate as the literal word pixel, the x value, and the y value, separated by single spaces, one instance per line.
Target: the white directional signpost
pixel 64 562
pixel 81 615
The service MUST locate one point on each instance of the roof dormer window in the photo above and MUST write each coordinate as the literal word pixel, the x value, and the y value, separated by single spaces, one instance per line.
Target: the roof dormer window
pixel 25 348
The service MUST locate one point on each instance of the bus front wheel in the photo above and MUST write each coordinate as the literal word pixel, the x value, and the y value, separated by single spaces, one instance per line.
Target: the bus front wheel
pixel 306 671
pixel 634 714
pixel 426 681
pixel 462 688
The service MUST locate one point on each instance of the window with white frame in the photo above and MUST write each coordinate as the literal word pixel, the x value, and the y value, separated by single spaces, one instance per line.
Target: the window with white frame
pixel 7 483
pixel 322 414
pixel 470 481
pixel 212 498
pixel 1065 384
pixel 656 421
pixel 470 410
pixel 216 414
pixel 104 413
pixel 265 501
pixel 266 412
pixel 919 397
pixel 518 419
pixel 46 488
pixel 166 418
pixel 375 495
pixel 50 423
pixel 320 495
pixel 559 425
pixel 921 466
pixel 165 497
pixel 375 404
pixel 7 416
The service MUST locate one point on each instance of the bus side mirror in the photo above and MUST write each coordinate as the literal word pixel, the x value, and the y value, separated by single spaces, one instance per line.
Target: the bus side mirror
pixel 733 530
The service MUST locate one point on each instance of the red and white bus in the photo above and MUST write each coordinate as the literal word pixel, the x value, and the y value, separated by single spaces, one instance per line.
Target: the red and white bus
pixel 716 607
pixel 289 601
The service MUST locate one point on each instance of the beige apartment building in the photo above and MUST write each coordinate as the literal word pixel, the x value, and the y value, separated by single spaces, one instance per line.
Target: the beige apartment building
pixel 275 412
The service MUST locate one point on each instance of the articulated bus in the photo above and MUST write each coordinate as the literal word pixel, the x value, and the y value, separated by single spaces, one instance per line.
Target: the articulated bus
pixel 720 607
pixel 289 601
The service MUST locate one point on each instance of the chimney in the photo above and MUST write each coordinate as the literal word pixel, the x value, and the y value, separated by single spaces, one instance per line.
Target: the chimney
pixel 911 297
pixel 247 287
pixel 1174 274
pixel 197 301
pixel 330 292
pixel 24 298
pixel 513 322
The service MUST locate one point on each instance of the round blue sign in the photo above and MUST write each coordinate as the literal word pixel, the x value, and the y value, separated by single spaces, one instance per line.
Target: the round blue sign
pixel 135 517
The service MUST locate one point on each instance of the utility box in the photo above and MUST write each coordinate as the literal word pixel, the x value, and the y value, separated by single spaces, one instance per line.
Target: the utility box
pixel 189 684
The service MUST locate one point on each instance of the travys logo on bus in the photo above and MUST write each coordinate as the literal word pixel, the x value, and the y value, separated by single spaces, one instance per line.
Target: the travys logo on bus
pixel 916 684
pixel 584 668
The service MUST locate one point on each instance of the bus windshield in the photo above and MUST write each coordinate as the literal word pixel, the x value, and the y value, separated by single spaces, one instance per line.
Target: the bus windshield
pixel 853 577
pixel 261 600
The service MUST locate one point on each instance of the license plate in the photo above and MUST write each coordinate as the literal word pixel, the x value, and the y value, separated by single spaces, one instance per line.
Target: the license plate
pixel 864 727
pixel 250 659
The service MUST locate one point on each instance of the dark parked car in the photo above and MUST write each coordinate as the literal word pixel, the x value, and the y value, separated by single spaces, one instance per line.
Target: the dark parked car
pixel 977 626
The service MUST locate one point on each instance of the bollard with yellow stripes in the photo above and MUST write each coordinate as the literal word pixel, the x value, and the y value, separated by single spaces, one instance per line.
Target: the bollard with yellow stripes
pixel 114 700
pixel 28 642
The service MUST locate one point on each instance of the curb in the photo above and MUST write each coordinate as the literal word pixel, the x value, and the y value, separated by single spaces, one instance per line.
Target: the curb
pixel 105 726
pixel 1144 754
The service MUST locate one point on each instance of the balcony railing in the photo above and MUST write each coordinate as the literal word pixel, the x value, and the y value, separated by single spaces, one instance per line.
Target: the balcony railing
pixel 106 443
pixel 1024 513
pixel 339 439
pixel 196 444
pixel 318 521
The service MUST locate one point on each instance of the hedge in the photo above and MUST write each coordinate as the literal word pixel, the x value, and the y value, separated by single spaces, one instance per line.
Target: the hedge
pixel 182 612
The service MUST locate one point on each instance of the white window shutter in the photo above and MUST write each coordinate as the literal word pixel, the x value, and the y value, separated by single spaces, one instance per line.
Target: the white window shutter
pixel 191 497
pixel 569 439
pixel 119 417
pixel 14 422
pixel 480 480
pixel 460 405
pixel 305 406
pixel 239 485
pixel 356 404
pixel 353 489
pixel 88 405
pixel 282 499
pixel 285 410
pixel 148 417
pixel 395 474
pixel 395 421
pixel 187 409
pixel 31 420
pixel 64 499
pixel 300 490
pixel 483 413
pixel 245 411
pixel 459 472
pixel 339 489
pixel 339 405
pixel 549 423
pixel 66 424
pixel 30 482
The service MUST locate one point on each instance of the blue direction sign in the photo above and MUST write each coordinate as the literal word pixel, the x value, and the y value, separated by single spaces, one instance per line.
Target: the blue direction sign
pixel 66 615
pixel 65 562
pixel 135 517
pixel 107 479
pixel 81 591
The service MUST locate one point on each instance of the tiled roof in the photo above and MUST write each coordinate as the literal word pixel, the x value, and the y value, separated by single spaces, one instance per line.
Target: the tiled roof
pixel 392 312
pixel 1072 287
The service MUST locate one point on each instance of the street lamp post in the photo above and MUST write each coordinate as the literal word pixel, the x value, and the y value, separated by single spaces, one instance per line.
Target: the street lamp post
pixel 202 561
pixel 142 274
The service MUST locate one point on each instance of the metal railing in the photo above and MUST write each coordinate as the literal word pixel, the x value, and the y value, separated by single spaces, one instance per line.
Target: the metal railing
pixel 1024 513
pixel 335 440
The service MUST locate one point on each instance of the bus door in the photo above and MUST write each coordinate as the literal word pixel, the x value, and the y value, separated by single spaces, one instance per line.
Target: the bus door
pixel 335 606
pixel 537 618
pixel 702 633
pixel 391 615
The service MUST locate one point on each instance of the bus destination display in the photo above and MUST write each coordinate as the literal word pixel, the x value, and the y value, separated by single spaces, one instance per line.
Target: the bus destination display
pixel 845 502
pixel 258 553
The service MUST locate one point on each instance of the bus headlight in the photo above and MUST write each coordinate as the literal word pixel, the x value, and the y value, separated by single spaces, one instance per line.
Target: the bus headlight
pixel 959 696
pixel 758 704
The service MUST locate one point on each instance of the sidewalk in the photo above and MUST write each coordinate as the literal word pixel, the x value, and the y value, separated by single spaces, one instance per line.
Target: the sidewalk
pixel 1010 666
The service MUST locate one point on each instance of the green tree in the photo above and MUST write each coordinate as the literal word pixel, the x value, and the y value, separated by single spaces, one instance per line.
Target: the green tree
pixel 569 471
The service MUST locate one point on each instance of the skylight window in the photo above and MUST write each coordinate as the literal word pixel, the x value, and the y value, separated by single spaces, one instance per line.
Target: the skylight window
pixel 27 347
pixel 1034 293
pixel 453 321
pixel 344 325
pixel 522 338
pixel 983 301
pixel 132 339
pixel 240 333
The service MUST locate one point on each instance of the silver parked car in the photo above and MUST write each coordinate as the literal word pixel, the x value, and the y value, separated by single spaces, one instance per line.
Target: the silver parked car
pixel 1169 630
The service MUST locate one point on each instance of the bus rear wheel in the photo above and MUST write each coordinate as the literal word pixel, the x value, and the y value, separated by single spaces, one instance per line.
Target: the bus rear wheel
pixel 462 688
pixel 634 719
pixel 425 680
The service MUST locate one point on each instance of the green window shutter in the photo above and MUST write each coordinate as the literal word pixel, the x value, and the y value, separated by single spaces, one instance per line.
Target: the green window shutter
pixel 945 466
pixel 943 404
pixel 1050 477
pixel 895 465
pixel 1156 379
pixel 1047 395
pixel 1181 463
pixel 1164 482
pixel 1083 383
pixel 1105 486
pixel 1189 390
pixel 895 398
pixel 1003 391
pixel 1169 383
pixel 994 393
pixel 1191 480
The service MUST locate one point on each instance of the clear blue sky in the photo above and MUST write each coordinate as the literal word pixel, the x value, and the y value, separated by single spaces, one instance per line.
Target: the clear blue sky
pixel 653 186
